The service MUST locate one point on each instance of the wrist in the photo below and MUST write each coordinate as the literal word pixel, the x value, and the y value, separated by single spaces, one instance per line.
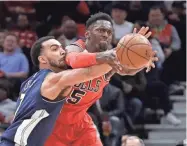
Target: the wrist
pixel 99 57
pixel 103 57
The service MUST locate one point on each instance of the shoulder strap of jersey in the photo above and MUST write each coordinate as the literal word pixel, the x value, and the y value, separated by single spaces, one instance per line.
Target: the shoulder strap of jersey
pixel 38 76
pixel 80 43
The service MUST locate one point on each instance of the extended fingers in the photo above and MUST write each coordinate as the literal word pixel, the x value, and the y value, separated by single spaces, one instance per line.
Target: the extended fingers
pixel 148 34
pixel 154 53
pixel 154 56
pixel 152 65
pixel 143 30
pixel 155 59
pixel 148 69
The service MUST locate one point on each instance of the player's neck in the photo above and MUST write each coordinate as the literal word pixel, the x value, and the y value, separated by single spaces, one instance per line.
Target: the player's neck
pixel 54 69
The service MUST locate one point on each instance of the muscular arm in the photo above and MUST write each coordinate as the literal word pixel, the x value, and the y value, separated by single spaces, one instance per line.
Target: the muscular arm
pixel 55 82
pixel 76 58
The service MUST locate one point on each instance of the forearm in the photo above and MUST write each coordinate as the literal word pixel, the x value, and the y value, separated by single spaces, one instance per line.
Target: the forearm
pixel 55 82
pixel 76 76
pixel 81 60
pixel 85 59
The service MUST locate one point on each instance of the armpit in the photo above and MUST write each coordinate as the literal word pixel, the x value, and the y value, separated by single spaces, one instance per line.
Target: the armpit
pixel 64 93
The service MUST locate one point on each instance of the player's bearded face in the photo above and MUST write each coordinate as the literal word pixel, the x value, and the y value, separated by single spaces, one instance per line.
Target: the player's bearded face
pixel 58 63
pixel 54 54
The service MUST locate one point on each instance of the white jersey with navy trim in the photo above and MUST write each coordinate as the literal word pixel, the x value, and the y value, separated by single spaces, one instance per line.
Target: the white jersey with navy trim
pixel 35 116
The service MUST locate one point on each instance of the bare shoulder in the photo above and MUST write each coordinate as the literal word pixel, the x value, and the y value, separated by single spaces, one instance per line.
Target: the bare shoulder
pixel 49 76
pixel 52 78
pixel 73 48
pixel 48 79
pixel 50 88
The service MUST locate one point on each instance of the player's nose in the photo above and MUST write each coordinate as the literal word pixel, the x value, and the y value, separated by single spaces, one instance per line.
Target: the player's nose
pixel 105 34
pixel 62 52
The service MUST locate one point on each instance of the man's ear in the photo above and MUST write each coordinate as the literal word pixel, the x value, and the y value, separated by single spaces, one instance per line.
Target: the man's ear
pixel 87 34
pixel 42 59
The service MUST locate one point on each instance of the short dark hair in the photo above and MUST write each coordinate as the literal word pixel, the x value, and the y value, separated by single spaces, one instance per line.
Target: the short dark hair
pixel 155 7
pixel 37 48
pixel 120 5
pixel 98 16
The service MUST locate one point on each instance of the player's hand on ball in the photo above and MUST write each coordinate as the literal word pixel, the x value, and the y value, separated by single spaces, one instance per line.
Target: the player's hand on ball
pixel 143 31
pixel 151 64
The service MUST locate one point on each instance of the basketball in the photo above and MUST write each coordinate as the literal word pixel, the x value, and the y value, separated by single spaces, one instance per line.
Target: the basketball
pixel 134 51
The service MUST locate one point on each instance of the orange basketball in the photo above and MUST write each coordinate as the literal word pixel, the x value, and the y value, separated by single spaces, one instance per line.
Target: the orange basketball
pixel 134 51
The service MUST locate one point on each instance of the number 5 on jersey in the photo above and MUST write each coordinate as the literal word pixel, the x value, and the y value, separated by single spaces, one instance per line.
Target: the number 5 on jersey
pixel 75 96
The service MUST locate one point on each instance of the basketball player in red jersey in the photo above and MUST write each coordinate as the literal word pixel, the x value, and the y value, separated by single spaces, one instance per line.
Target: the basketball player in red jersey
pixel 74 127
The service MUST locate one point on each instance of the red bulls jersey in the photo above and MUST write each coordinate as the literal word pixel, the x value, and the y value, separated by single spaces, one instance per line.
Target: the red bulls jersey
pixel 82 96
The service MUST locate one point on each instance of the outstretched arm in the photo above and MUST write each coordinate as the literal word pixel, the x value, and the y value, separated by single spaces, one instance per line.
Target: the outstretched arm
pixel 54 83
pixel 76 58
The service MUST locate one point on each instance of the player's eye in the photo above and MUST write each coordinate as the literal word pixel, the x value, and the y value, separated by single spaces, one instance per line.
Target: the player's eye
pixel 55 48
pixel 109 32
pixel 101 30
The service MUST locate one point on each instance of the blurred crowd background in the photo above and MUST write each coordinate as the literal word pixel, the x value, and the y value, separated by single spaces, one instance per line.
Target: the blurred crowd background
pixel 128 100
